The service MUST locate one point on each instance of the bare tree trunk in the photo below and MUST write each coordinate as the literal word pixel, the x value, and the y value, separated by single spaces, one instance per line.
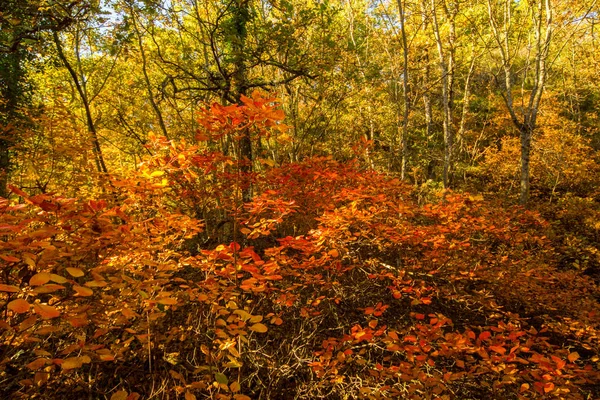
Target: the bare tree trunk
pixel 465 102
pixel 426 78
pixel 405 95
pixel 159 116
pixel 97 150
pixel 447 70
pixel 240 17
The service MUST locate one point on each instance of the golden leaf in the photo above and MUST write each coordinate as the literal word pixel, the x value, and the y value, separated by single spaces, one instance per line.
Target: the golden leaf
pixel 75 272
pixel 260 328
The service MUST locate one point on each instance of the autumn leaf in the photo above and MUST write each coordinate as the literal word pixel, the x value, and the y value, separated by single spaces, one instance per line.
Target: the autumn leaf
pixel 72 363
pixel 48 288
pixel 120 395
pixel 235 387
pixel 9 288
pixel 75 272
pixel 37 364
pixel 260 328
pixel 10 259
pixel 189 396
pixel 168 301
pixel 45 311
pixel 574 356
pixel 19 306
pixel 39 279
pixel 256 318
pixel 498 349
pixel 83 291
pixel 58 278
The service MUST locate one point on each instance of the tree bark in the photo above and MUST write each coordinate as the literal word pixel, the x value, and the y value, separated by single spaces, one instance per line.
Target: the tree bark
pixel 526 121
pixel 446 60
pixel 97 150
pixel 240 18
pixel 405 77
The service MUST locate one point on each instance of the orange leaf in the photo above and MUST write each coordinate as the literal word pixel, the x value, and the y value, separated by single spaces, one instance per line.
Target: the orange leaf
pixel 334 253
pixel 260 328
pixel 548 387
pixel 241 397
pixel 189 396
pixel 58 278
pixel 9 258
pixel 96 284
pixel 83 291
pixel 120 395
pixel 235 387
pixel 8 288
pixel 573 356
pixel 75 272
pixel 498 349
pixel 46 311
pixel 41 377
pixel 37 364
pixel 72 363
pixel 168 301
pixel 48 288
pixel 19 306
pixel 39 279
pixel 106 357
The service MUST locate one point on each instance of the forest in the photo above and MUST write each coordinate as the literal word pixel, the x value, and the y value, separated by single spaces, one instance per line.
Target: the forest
pixel 299 199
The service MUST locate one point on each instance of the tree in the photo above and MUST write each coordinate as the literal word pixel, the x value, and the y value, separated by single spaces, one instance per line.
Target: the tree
pixel 503 27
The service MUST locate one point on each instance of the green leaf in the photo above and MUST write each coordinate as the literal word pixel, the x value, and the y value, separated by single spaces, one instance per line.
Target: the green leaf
pixel 221 378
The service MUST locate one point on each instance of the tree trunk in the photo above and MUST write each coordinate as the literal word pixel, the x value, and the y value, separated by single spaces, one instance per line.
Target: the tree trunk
pixel 97 150
pixel 405 77
pixel 240 17
pixel 526 135
pixel 447 72
pixel 526 122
